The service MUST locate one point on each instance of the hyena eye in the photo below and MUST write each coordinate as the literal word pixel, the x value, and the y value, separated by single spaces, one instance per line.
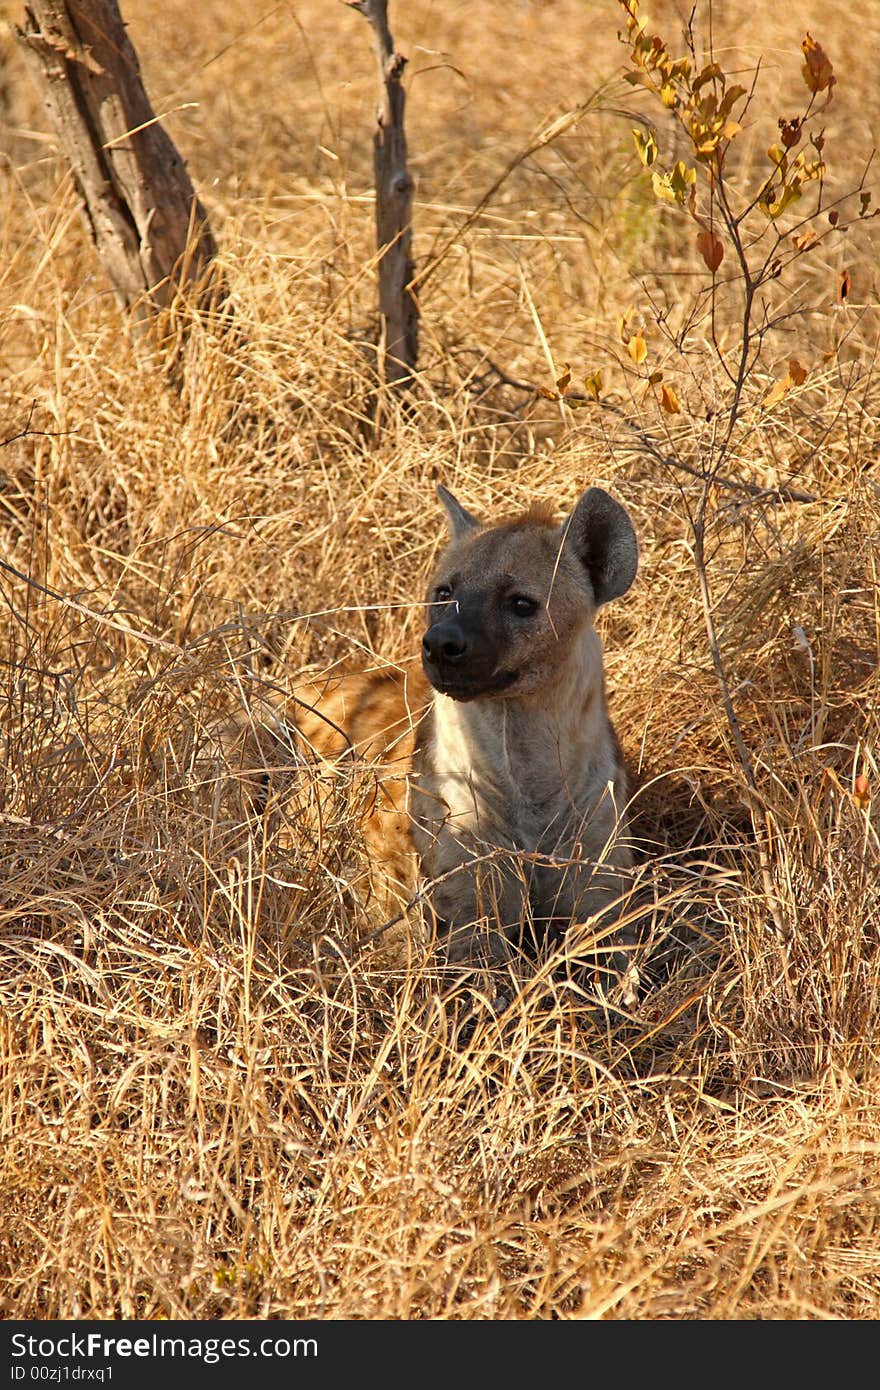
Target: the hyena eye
pixel 524 607
pixel 442 593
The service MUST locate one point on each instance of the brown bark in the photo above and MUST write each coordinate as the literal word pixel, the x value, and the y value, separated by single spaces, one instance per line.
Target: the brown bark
pixel 398 305
pixel 149 228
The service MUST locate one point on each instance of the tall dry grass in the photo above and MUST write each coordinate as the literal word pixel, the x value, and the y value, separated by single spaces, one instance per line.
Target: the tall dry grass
pixel 220 1095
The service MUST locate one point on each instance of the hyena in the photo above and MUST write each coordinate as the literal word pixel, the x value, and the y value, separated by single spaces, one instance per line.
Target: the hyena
pixel 503 774
pixel 518 785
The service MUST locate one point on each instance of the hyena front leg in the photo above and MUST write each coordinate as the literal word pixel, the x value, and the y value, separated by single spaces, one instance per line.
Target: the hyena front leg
pixel 592 898
pixel 480 897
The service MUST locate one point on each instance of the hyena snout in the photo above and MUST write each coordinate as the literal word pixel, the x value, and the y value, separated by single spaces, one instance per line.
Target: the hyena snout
pixel 446 644
pixel 460 661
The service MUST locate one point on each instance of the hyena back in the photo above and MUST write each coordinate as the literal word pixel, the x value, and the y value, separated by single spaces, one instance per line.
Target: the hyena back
pixel 331 742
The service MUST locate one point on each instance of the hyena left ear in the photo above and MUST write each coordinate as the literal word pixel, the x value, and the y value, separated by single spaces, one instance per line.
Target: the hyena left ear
pixel 461 523
pixel 603 538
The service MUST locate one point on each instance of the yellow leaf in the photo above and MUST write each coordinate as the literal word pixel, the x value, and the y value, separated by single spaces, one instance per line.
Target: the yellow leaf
pixel 775 205
pixel 646 145
pixel 637 348
pixel 862 792
pixel 662 187
pixel 548 394
pixel 806 240
pixel 593 385
pixel 680 180
pixel 562 381
pixel 777 392
pixel 817 70
pixel 797 372
pixel 669 400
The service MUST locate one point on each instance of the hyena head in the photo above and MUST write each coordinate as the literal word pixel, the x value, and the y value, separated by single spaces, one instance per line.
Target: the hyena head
pixel 507 603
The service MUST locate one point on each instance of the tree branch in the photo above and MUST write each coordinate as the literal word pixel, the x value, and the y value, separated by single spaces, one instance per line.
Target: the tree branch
pixel 398 305
pixel 150 230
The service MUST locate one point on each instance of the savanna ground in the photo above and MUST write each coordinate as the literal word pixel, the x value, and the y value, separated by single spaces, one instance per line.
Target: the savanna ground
pixel 220 1095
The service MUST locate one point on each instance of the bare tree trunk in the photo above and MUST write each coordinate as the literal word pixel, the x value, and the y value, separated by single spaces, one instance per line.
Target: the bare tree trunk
pixel 394 189
pixel 150 230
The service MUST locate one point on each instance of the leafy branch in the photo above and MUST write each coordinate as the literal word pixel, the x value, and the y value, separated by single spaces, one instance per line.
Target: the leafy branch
pixel 748 231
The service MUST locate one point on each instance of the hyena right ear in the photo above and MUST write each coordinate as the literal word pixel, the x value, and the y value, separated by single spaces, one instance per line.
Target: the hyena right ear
pixel 461 523
pixel 603 537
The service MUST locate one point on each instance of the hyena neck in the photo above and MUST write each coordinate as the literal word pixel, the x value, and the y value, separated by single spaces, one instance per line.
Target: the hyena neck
pixel 532 748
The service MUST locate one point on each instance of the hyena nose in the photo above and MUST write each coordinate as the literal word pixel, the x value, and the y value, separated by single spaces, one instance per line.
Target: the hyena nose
pixel 445 644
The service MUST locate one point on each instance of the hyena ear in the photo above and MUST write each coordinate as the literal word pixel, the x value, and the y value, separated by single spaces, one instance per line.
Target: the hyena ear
pixel 461 523
pixel 603 538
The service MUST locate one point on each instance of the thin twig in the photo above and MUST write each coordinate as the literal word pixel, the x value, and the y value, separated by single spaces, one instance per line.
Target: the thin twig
pixel 782 493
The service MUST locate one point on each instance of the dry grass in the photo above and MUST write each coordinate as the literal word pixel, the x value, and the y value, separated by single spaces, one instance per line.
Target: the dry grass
pixel 214 1103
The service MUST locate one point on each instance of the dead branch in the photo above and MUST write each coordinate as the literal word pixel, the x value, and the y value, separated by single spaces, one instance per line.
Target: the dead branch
pixel 398 306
